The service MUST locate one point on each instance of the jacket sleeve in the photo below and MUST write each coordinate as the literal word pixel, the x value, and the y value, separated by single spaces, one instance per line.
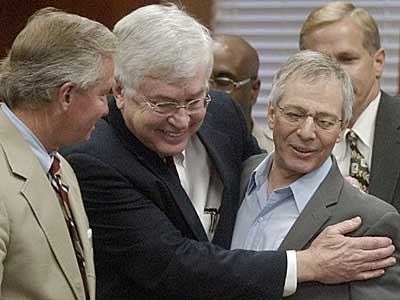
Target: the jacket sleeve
pixel 388 286
pixel 138 248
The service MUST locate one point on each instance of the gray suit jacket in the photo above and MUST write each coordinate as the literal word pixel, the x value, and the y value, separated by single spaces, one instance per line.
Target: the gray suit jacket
pixel 385 165
pixel 37 259
pixel 336 200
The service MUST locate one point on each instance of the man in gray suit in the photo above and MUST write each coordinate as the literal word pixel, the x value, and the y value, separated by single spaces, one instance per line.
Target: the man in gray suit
pixel 295 192
pixel 53 88
pixel 351 36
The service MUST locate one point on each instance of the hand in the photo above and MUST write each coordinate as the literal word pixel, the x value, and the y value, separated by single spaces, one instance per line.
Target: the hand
pixel 335 258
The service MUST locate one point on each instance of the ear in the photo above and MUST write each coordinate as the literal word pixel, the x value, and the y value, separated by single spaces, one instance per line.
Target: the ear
pixel 341 133
pixel 255 90
pixel 379 62
pixel 271 116
pixel 65 94
pixel 118 92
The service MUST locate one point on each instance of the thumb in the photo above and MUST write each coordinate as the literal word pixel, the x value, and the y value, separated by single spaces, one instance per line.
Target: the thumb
pixel 344 226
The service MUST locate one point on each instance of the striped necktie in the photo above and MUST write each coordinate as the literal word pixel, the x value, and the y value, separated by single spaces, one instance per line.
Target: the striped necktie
pixel 62 191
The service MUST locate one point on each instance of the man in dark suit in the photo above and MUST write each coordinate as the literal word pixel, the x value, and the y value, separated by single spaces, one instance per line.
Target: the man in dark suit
pixel 296 191
pixel 160 178
pixel 351 36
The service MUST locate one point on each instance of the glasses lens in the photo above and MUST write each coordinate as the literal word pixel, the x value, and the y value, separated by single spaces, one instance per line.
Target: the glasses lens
pixel 326 122
pixel 224 84
pixel 165 108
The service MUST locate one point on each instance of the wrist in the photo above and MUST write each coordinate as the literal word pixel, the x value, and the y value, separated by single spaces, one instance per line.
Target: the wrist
pixel 305 266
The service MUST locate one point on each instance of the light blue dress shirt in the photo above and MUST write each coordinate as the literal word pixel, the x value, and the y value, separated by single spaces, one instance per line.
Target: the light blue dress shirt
pixel 264 219
pixel 45 159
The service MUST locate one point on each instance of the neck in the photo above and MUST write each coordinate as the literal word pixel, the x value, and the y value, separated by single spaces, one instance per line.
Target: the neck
pixel 279 178
pixel 41 125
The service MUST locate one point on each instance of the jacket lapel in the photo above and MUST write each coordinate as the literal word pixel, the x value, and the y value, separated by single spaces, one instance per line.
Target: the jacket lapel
pixel 385 170
pixel 316 213
pixel 43 201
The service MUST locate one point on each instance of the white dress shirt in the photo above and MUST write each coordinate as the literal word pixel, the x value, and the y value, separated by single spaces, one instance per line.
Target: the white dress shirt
pixel 364 127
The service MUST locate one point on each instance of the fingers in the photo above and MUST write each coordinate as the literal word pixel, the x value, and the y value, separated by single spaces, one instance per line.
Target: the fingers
pixel 344 227
pixel 382 245
pixel 369 275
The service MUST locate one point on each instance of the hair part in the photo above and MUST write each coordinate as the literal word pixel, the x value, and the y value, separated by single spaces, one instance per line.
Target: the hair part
pixel 161 42
pixel 312 66
pixel 55 47
pixel 336 11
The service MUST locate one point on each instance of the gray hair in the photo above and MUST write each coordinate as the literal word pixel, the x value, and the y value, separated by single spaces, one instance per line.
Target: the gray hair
pixel 55 47
pixel 313 66
pixel 161 42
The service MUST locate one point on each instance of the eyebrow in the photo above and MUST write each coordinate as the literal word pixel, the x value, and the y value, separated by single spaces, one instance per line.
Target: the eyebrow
pixel 319 113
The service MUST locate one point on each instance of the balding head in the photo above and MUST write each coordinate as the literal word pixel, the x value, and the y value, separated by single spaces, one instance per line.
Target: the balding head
pixel 236 59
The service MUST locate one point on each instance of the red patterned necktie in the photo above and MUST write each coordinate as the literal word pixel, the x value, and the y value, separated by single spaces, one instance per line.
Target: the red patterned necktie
pixel 358 163
pixel 62 191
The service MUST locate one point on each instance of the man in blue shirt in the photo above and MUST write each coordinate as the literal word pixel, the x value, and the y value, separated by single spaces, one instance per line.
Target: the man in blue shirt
pixel 296 191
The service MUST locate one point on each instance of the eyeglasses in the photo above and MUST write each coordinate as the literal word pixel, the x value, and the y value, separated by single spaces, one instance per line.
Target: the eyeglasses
pixel 168 108
pixel 296 116
pixel 227 84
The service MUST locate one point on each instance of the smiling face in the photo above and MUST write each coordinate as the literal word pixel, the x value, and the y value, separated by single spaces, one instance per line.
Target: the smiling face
pixel 343 41
pixel 300 149
pixel 166 135
pixel 86 107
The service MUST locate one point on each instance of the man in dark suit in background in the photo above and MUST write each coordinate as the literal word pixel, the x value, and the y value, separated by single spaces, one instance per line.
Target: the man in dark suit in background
pixel 351 36
pixel 160 178
pixel 235 71
pixel 295 192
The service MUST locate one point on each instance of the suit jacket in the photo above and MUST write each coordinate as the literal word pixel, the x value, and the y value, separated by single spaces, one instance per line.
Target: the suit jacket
pixel 37 259
pixel 334 201
pixel 149 242
pixel 385 164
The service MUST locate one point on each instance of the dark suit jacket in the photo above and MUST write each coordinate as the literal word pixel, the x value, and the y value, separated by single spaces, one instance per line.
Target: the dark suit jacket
pixel 334 201
pixel 385 164
pixel 148 240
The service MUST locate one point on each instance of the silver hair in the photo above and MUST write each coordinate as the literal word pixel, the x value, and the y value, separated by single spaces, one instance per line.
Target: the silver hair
pixel 161 42
pixel 55 47
pixel 313 66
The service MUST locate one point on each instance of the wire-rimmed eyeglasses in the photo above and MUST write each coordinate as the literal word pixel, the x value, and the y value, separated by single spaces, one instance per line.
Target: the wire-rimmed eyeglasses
pixel 297 116
pixel 169 107
pixel 226 84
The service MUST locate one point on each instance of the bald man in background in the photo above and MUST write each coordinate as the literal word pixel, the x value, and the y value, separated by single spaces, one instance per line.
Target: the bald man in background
pixel 235 71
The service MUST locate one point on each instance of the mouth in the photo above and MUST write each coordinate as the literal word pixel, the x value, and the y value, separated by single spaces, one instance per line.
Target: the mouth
pixel 303 151
pixel 172 134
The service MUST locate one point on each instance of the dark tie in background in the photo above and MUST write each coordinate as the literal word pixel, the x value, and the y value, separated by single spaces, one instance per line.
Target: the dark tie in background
pixel 73 232
pixel 358 164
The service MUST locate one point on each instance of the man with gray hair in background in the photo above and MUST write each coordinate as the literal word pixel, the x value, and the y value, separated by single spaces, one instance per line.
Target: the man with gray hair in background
pixel 369 150
pixel 53 88
pixel 160 179
pixel 292 194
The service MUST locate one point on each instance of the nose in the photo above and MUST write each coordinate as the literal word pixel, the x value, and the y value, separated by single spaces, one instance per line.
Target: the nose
pixel 306 131
pixel 180 119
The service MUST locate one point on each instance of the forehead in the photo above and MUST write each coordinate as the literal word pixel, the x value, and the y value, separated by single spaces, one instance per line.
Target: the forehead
pixel 321 95
pixel 229 59
pixel 180 89
pixel 341 36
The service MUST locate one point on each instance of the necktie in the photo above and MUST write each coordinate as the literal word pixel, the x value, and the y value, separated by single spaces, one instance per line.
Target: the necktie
pixel 358 164
pixel 169 161
pixel 73 232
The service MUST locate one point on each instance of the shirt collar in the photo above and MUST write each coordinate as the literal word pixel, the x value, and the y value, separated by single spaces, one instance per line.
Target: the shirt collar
pixel 303 188
pixel 36 146
pixel 364 127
